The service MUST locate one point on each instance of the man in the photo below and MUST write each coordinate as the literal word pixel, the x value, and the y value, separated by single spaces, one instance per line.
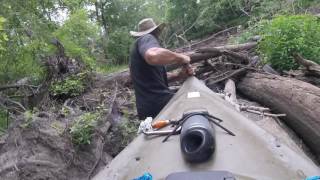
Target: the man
pixel 147 68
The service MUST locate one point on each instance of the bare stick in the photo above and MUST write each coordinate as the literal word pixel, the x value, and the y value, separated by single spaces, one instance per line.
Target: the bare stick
pixel 234 48
pixel 4 100
pixel 266 114
pixel 207 40
pixel 230 93
pixel 218 76
pixel 5 87
pixel 261 109
pixel 311 67
pixel 234 73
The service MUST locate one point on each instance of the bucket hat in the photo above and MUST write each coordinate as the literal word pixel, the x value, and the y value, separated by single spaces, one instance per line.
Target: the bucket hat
pixel 146 26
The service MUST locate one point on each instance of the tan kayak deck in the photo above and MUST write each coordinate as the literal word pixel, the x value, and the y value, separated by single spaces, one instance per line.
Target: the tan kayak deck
pixel 252 154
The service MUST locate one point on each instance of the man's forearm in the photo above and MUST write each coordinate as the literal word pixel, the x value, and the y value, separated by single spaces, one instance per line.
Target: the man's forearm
pixel 161 56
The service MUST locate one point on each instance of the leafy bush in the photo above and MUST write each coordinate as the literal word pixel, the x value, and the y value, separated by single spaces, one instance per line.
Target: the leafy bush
pixel 72 86
pixel 118 46
pixel 83 128
pixel 19 56
pixel 120 136
pixel 203 17
pixel 3 120
pixel 78 35
pixel 254 29
pixel 3 36
pixel 285 35
pixel 28 118
pixel 223 13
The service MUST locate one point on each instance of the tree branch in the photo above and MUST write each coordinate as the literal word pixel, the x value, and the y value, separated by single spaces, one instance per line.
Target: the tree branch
pixel 207 53
pixel 5 87
pixel 312 68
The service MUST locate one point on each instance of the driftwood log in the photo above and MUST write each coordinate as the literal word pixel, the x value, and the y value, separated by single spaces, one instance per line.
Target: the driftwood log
pixel 312 68
pixel 104 81
pixel 230 95
pixel 299 100
pixel 230 92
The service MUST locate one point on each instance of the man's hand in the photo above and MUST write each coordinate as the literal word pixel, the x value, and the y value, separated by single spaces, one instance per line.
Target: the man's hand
pixel 186 71
pixel 185 59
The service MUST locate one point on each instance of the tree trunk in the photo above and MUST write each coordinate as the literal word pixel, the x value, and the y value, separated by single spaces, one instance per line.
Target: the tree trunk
pixel 105 81
pixel 299 100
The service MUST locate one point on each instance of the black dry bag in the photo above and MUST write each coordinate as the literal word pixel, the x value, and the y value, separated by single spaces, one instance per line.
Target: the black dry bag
pixel 197 139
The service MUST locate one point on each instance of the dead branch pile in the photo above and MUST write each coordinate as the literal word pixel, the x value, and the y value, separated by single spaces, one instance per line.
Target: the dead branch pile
pixel 40 145
pixel 296 102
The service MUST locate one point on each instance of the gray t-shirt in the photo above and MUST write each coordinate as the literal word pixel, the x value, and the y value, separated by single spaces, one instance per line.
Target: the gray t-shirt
pixel 149 81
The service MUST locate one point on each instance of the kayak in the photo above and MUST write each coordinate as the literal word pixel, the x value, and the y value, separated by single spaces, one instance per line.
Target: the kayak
pixel 253 153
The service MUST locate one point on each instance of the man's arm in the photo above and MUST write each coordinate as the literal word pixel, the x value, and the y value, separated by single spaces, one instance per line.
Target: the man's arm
pixel 161 56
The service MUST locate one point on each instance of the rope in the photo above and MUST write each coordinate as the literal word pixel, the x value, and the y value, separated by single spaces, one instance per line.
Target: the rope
pixel 210 117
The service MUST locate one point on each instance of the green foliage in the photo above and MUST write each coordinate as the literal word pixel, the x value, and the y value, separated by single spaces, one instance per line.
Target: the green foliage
pixel 118 17
pixel 3 36
pixel 223 13
pixel 28 30
pixel 96 31
pixel 21 61
pixel 285 35
pixel 118 46
pixel 83 128
pixel 3 120
pixel 194 19
pixel 72 86
pixel 182 12
pixel 254 29
pixel 28 118
pixel 128 130
pixel 74 5
pixel 121 135
pixel 181 17
pixel 78 35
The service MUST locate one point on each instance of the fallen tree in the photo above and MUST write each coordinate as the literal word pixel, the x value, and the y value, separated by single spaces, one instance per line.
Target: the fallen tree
pixel 299 100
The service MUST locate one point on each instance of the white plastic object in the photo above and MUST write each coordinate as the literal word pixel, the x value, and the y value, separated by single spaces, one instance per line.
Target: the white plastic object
pixel 193 94
pixel 145 125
